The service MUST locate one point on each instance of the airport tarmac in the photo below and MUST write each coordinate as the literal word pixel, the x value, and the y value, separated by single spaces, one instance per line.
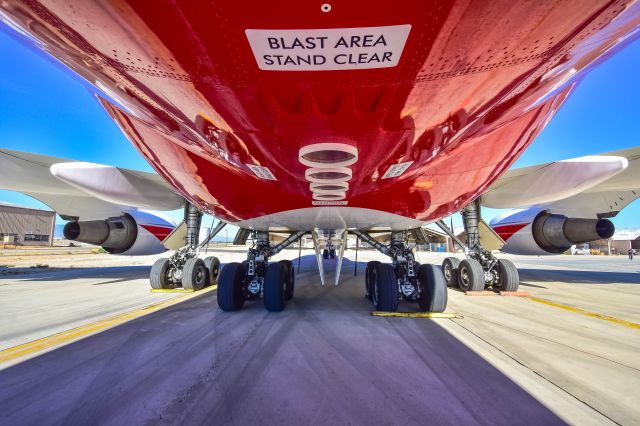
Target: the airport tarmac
pixel 566 353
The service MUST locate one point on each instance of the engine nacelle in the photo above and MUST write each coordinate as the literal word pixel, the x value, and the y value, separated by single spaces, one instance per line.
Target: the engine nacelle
pixel 537 231
pixel 134 233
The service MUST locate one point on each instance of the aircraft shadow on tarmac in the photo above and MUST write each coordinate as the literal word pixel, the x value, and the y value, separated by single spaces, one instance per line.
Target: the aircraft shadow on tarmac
pixel 310 364
pixel 578 277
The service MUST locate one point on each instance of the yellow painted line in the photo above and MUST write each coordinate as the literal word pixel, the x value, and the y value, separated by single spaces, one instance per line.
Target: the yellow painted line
pixel 586 313
pixel 415 314
pixel 171 290
pixel 92 328
pixel 176 290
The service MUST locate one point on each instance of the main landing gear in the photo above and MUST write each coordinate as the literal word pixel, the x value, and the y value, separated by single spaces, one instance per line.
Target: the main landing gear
pixel 480 269
pixel 257 277
pixel 403 279
pixel 185 268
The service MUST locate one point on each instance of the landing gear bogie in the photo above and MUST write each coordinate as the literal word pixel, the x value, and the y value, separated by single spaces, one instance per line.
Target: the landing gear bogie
pixel 481 269
pixel 404 279
pixel 258 277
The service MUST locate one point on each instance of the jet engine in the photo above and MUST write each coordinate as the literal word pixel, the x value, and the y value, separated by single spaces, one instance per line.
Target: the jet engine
pixel 133 233
pixel 539 232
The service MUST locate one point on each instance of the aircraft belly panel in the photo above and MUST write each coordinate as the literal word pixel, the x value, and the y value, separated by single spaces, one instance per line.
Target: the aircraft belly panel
pixel 438 99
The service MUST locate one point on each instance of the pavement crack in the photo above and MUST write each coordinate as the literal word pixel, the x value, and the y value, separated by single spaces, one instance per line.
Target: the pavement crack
pixel 534 371
pixel 552 341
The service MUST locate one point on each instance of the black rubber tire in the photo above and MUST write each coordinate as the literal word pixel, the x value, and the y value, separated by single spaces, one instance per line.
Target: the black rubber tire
pixel 471 275
pixel 508 277
pixel 194 274
pixel 433 297
pixel 212 264
pixel 367 279
pixel 385 288
pixel 332 253
pixel 325 254
pixel 291 280
pixel 450 270
pixel 275 283
pixel 230 293
pixel 158 276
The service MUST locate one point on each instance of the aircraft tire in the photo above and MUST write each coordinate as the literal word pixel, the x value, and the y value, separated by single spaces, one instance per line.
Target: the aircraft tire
pixel 194 274
pixel 332 253
pixel 325 254
pixel 275 283
pixel 291 280
pixel 471 275
pixel 508 277
pixel 433 297
pixel 450 270
pixel 229 293
pixel 212 264
pixel 159 274
pixel 385 285
pixel 367 278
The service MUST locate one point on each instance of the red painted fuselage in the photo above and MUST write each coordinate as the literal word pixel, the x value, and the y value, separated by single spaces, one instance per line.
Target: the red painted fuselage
pixel 474 83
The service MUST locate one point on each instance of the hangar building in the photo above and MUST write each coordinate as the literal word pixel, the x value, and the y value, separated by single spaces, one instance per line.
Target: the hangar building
pixel 625 239
pixel 26 226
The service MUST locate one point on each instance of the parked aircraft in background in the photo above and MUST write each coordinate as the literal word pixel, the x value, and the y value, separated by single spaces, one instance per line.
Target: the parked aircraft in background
pixel 563 203
pixel 302 118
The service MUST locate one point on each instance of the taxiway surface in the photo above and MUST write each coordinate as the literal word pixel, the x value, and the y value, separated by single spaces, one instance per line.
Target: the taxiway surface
pixel 568 353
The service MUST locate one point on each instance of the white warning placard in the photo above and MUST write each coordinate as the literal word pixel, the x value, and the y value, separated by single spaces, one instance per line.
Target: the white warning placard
pixel 261 172
pixel 396 170
pixel 328 49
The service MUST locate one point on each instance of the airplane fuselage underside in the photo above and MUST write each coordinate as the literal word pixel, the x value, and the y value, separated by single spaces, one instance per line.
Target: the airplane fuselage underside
pixel 432 100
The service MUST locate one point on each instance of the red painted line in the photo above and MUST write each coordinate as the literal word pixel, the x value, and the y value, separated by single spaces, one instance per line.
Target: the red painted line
pixel 159 231
pixel 506 231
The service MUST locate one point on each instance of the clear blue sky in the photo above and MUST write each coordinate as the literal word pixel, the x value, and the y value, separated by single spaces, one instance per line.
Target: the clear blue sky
pixel 45 110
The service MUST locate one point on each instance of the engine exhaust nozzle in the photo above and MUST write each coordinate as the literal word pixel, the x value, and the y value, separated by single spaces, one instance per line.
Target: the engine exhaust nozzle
pixel 557 233
pixel 115 234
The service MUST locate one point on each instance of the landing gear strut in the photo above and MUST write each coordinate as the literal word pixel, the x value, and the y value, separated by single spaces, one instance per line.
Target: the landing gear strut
pixel 404 278
pixel 257 277
pixel 481 268
pixel 184 268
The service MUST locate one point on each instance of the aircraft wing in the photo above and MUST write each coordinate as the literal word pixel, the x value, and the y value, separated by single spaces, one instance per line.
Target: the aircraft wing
pixel 598 185
pixel 84 190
